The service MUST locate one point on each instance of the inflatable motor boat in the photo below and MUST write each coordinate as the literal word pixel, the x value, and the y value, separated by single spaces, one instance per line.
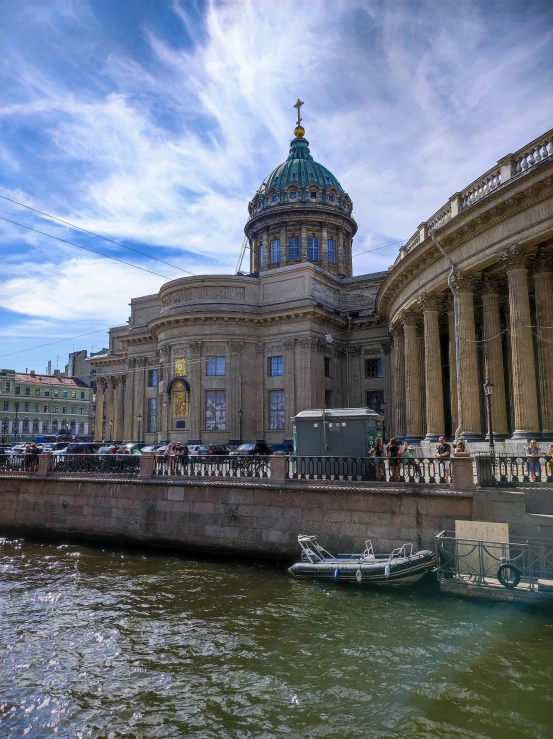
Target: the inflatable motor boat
pixel 401 566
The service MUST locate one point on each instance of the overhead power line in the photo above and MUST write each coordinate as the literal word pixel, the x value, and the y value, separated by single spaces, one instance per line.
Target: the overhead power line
pixel 358 254
pixel 99 253
pixel 98 236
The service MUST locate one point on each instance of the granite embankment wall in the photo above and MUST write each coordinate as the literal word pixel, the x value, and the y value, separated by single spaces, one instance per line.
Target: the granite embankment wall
pixel 255 518
pixel 260 519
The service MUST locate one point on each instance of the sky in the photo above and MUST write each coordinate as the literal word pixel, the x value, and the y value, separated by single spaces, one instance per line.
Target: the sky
pixel 154 123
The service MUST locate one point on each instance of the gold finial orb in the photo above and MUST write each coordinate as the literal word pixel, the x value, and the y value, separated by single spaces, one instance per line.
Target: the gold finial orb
pixel 299 131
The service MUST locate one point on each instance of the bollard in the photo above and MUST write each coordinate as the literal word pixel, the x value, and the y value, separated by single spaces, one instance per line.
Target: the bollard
pixel 462 476
pixel 484 471
pixel 45 463
pixel 279 464
pixel 147 464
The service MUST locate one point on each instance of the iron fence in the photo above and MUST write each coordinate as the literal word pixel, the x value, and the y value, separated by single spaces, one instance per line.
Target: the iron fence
pixel 116 464
pixel 424 470
pixel 18 462
pixel 211 465
pixel 478 561
pixel 509 469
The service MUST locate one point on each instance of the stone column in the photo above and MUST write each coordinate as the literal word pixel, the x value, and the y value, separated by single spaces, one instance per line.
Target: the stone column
pixel 386 346
pixel 99 422
pixel 289 346
pixel 543 281
pixel 304 251
pixel 266 249
pixel 129 392
pixel 452 365
pixel 413 419
pixel 254 266
pixel 471 425
pixel 283 245
pixel 234 401
pixel 349 260
pixel 355 368
pixel 525 399
pixel 324 245
pixel 340 257
pixel 139 384
pixel 398 382
pixel 435 426
pixel 110 406
pixel 196 391
pixel 493 352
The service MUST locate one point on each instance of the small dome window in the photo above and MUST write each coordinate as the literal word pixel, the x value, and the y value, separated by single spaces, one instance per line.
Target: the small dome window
pixel 331 197
pixel 260 204
pixel 273 197
pixel 293 194
pixel 313 194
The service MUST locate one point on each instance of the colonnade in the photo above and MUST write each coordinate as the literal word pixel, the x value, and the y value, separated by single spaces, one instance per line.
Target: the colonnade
pixel 517 359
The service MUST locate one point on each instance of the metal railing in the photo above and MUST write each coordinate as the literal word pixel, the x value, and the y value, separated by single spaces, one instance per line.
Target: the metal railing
pixel 478 561
pixel 18 462
pixel 211 465
pixel 423 470
pixel 508 469
pixel 109 464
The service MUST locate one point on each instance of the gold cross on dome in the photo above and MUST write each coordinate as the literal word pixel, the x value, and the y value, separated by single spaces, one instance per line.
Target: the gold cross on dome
pixel 298 105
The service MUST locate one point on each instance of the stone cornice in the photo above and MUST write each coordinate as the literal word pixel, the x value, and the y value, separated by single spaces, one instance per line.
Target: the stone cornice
pixel 516 196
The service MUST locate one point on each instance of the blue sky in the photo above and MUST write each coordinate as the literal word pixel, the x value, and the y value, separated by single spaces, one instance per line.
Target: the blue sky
pixel 153 123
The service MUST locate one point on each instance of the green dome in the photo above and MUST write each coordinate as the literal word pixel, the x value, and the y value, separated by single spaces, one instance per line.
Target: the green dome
pixel 300 169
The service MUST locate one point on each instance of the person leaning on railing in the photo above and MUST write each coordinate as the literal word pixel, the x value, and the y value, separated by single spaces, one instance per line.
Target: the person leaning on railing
pixel 409 462
pixel 443 453
pixel 549 461
pixel 394 456
pixel 533 454
pixel 377 452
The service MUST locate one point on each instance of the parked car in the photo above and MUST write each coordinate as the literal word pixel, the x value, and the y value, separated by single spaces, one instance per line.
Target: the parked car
pixel 17 449
pixel 5 449
pixel 134 447
pixel 286 448
pixel 105 449
pixel 154 448
pixel 77 448
pixel 260 447
pixel 214 449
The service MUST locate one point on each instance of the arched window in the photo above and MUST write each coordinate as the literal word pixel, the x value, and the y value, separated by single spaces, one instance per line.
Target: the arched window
pixel 331 197
pixel 25 425
pixel 45 427
pixel 64 424
pixel 55 426
pixel 5 425
pixel 35 425
pixel 274 197
pixel 293 194
pixel 73 425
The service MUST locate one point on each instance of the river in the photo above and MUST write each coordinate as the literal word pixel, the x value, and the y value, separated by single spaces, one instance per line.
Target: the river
pixel 122 644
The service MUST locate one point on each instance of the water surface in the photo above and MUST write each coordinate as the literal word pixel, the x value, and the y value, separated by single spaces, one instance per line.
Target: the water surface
pixel 121 643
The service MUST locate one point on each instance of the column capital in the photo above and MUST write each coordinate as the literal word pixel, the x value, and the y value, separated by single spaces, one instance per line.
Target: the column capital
pixel 542 262
pixel 354 351
pixel 101 380
pixel 448 303
pixel 464 282
pixel 431 303
pixel 131 361
pixel 235 346
pixel 395 330
pixel 324 224
pixel 195 346
pixel 410 319
pixel 283 224
pixel 515 257
pixel 492 285
pixel 260 348
pixel 289 345
pixel 141 362
pixel 386 345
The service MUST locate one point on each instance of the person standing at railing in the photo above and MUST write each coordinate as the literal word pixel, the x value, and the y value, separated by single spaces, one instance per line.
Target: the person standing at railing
pixel 181 457
pixel 409 462
pixel 443 453
pixel 169 459
pixel 549 460
pixel 378 452
pixel 394 455
pixel 533 454
pixel 35 451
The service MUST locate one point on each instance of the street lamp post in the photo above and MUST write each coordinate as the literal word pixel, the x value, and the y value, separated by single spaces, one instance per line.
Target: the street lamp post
pixel 382 409
pixel 139 419
pixel 16 421
pixel 488 390
pixel 240 417
pixel 111 429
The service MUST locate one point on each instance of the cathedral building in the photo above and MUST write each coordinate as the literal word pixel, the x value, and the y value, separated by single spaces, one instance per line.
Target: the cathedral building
pixel 224 358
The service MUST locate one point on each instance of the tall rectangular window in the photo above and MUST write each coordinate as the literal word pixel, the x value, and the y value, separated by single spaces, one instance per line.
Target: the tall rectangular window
pixel 37 408
pixel 55 408
pixel 73 393
pixel 261 256
pixel 275 251
pixel 327 366
pixel 8 387
pixel 6 405
pixel 293 248
pixel 45 409
pixel 276 410
pixel 332 251
pixel 313 244
pixel 73 409
pixel 37 391
pixel 27 407
pixel 373 367
pixel 152 416
pixel 328 398
pixel 152 378
pixel 27 391
pixel 65 393
pixel 18 391
pixel 46 393
pixel 215 366
pixel 215 410
pixel 276 366
pixel 82 394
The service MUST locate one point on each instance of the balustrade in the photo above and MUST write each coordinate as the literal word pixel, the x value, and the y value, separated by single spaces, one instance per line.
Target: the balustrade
pixel 534 154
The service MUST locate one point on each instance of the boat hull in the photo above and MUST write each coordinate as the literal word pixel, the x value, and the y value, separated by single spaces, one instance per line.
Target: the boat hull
pixel 402 571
